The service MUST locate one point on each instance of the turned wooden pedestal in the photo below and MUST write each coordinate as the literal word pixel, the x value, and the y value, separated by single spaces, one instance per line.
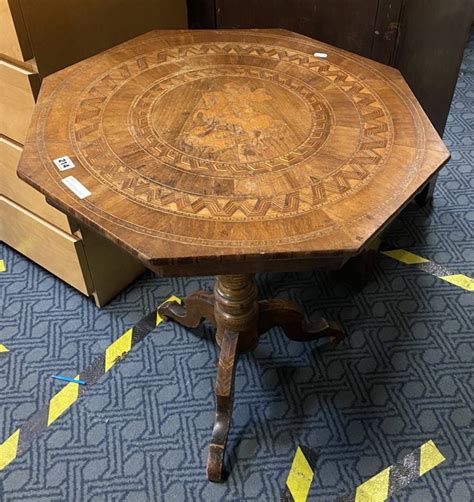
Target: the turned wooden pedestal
pixel 239 320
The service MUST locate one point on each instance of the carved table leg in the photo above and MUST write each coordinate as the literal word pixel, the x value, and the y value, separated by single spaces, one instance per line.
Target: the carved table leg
pixel 236 312
pixel 289 317
pixel 196 307
pixel 239 320
pixel 224 397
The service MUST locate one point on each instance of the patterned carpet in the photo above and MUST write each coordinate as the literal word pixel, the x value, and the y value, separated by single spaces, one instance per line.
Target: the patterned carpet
pixel 141 433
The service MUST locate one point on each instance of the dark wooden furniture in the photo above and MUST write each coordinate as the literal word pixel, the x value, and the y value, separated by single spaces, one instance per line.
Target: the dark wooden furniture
pixel 367 27
pixel 424 39
pixel 229 153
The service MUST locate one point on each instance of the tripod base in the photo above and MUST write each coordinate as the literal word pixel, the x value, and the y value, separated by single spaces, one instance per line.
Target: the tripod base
pixel 239 320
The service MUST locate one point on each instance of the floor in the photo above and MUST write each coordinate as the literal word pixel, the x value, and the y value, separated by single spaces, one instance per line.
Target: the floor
pixel 403 376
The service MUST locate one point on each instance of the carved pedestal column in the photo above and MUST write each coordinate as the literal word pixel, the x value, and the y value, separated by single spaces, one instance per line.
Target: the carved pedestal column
pixel 236 309
pixel 236 314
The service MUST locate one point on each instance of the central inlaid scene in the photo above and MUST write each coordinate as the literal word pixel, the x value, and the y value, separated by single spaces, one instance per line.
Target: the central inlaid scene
pixel 232 119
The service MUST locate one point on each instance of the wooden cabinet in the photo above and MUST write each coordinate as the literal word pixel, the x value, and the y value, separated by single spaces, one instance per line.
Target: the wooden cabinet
pixel 366 27
pixel 26 196
pixel 14 40
pixel 430 49
pixel 59 252
pixel 309 17
pixel 38 38
pixel 18 88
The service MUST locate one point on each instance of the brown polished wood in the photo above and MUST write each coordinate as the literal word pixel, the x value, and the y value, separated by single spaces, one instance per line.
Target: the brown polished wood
pixel 237 148
pixel 240 320
pixel 229 153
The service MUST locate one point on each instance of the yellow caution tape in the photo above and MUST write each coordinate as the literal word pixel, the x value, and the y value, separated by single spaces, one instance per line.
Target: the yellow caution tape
pixel 116 350
pixel 63 400
pixel 430 457
pixel 300 477
pixel 460 280
pixel 70 393
pixel 8 449
pixel 172 298
pixel 408 258
pixel 405 256
pixel 375 489
pixel 392 479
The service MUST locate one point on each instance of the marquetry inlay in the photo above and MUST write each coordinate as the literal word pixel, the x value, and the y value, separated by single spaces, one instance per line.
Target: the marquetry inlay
pixel 236 139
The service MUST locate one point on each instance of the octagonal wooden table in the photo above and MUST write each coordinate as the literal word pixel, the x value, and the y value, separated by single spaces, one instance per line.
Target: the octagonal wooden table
pixel 229 153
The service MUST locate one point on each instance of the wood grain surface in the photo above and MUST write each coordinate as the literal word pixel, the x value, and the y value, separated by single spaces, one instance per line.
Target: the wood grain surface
pixel 14 40
pixel 18 88
pixel 55 250
pixel 25 195
pixel 232 151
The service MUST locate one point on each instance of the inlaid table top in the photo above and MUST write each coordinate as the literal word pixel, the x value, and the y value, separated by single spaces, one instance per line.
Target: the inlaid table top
pixel 231 147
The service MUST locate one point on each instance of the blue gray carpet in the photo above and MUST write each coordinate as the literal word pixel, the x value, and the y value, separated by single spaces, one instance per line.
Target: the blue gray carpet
pixel 403 377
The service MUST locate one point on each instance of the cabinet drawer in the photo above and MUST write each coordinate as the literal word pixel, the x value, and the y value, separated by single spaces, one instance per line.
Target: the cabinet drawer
pixel 60 253
pixel 23 194
pixel 18 88
pixel 14 40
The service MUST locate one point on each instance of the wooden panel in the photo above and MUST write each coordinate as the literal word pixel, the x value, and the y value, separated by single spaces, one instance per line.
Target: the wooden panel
pixel 60 253
pixel 22 193
pixel 386 30
pixel 348 25
pixel 17 91
pixel 14 41
pixel 87 27
pixel 111 268
pixel 202 14
pixel 430 51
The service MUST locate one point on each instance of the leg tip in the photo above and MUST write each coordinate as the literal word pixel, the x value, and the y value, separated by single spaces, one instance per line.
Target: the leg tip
pixel 215 465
